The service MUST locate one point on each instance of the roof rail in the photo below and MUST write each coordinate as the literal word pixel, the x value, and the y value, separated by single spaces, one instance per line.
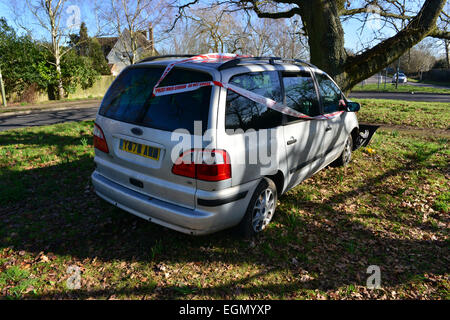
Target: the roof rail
pixel 166 56
pixel 234 62
pixel 272 60
pixel 301 61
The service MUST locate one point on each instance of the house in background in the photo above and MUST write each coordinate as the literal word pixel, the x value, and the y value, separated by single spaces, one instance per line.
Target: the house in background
pixel 117 50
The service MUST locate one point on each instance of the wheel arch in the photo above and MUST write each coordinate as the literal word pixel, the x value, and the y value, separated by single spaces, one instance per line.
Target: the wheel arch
pixel 355 135
pixel 278 179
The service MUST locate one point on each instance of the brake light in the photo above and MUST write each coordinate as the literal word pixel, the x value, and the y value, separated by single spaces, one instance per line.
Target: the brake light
pixel 99 139
pixel 207 165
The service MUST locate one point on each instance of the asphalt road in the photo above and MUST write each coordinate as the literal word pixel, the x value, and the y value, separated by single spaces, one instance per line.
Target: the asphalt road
pixel 46 117
pixel 402 96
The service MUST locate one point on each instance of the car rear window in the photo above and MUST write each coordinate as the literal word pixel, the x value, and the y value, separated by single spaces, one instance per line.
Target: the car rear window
pixel 129 99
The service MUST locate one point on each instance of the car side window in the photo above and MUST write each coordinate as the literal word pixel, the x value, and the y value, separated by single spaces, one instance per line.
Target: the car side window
pixel 300 94
pixel 243 113
pixel 331 95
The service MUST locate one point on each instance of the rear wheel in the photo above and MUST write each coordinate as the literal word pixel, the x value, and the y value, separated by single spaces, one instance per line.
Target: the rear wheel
pixel 346 155
pixel 260 210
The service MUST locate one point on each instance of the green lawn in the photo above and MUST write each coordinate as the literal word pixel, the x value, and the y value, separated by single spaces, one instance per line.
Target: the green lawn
pixel 406 113
pixel 401 88
pixel 388 208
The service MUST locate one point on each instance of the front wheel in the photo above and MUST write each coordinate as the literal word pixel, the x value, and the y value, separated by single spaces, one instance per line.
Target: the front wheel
pixel 260 210
pixel 346 155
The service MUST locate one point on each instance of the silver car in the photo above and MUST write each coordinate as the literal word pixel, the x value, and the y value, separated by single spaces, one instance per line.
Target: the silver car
pixel 211 149
pixel 401 78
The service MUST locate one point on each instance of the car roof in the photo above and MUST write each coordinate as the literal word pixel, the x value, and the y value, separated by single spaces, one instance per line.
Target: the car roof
pixel 283 64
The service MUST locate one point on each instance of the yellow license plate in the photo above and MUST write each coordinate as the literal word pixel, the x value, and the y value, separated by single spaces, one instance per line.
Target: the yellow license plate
pixel 139 149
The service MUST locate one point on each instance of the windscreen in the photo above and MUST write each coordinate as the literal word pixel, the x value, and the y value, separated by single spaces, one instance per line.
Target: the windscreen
pixel 129 99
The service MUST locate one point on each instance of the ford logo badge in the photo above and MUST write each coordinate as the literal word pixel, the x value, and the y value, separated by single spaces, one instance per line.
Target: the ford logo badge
pixel 137 131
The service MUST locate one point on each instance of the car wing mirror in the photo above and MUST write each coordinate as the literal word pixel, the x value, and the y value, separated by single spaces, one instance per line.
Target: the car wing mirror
pixel 352 106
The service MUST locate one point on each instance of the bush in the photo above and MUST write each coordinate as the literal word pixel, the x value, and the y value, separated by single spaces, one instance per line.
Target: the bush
pixel 19 61
pixel 27 67
pixel 77 71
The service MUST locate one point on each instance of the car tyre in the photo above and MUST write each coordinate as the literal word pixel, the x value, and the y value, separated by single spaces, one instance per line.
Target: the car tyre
pixel 346 155
pixel 260 210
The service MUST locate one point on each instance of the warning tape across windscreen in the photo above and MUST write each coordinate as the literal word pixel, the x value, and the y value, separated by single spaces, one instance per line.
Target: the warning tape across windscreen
pixel 269 103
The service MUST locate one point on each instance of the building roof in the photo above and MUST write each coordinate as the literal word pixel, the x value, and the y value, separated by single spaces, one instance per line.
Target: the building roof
pixel 107 43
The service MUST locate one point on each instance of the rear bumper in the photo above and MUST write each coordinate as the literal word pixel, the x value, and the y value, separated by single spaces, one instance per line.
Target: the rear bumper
pixel 208 217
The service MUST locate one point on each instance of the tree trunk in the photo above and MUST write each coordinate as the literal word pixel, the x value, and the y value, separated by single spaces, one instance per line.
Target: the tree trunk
pixel 59 77
pixel 57 56
pixel 447 53
pixel 56 51
pixel 325 36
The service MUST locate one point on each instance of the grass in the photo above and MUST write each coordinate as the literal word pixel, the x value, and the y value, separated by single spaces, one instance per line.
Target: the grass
pixel 18 282
pixel 401 88
pixel 405 113
pixel 389 208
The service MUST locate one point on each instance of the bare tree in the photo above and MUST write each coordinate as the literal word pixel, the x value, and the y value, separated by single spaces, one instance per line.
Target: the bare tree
pixel 184 40
pixel 268 37
pixel 213 30
pixel 48 15
pixel 419 59
pixel 131 20
pixel 206 29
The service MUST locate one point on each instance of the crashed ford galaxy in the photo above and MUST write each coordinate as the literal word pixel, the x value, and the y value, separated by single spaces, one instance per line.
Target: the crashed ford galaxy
pixel 203 143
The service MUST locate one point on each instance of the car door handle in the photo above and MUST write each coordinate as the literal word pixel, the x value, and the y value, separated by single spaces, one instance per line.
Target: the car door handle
pixel 327 128
pixel 292 140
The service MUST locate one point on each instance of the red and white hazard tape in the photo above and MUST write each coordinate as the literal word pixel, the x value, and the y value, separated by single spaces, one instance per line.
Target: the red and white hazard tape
pixel 209 57
pixel 269 103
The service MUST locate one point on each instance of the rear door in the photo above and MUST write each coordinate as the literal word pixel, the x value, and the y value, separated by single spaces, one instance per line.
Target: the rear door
pixel 303 138
pixel 332 101
pixel 138 129
pixel 251 132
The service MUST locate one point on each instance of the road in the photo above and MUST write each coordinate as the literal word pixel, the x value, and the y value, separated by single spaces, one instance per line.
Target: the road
pixel 427 97
pixel 46 117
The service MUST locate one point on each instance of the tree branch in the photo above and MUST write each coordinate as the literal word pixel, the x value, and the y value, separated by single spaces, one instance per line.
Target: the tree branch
pixel 377 58
pixel 276 15
pixel 382 13
pixel 440 34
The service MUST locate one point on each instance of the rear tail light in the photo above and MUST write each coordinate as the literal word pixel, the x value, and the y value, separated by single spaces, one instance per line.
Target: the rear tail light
pixel 99 139
pixel 207 165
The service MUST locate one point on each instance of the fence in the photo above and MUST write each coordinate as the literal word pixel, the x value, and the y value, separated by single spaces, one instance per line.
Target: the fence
pixel 97 90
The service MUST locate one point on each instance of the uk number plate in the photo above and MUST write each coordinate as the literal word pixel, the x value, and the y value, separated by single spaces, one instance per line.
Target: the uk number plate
pixel 140 149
